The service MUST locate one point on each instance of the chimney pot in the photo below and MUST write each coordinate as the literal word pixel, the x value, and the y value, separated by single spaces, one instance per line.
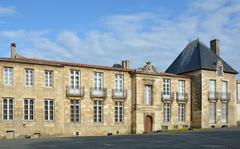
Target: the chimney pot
pixel 125 64
pixel 13 50
pixel 214 46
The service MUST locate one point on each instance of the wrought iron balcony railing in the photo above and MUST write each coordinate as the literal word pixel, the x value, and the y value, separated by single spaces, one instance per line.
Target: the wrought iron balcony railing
pixel 213 95
pixel 75 92
pixel 98 92
pixel 182 97
pixel 119 94
pixel 225 96
pixel 167 96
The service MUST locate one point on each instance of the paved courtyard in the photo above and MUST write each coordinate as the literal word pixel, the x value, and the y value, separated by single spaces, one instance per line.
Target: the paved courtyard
pixel 209 139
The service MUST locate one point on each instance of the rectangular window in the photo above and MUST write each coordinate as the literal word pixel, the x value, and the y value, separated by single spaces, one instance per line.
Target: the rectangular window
pixel 224 112
pixel 119 112
pixel 98 109
pixel 29 77
pixel 75 79
pixel 48 78
pixel 8 109
pixel 75 111
pixel 212 89
pixel 97 81
pixel 48 110
pixel 119 83
pixel 166 88
pixel 28 109
pixel 166 112
pixel 181 112
pixel 181 89
pixel 212 113
pixel 224 90
pixel 148 94
pixel 8 76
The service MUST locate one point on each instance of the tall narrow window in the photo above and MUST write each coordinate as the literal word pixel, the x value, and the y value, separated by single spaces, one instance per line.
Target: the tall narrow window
pixel 166 88
pixel 98 109
pixel 48 78
pixel 48 110
pixel 224 112
pixel 181 112
pixel 28 109
pixel 148 94
pixel 181 89
pixel 119 83
pixel 75 111
pixel 166 112
pixel 212 89
pixel 75 79
pixel 97 82
pixel 8 109
pixel 212 113
pixel 8 76
pixel 29 77
pixel 224 90
pixel 119 112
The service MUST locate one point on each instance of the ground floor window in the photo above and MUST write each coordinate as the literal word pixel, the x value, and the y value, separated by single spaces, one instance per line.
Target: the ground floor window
pixel 28 109
pixel 7 109
pixel 224 112
pixel 48 110
pixel 118 112
pixel 98 109
pixel 181 112
pixel 212 117
pixel 166 112
pixel 75 111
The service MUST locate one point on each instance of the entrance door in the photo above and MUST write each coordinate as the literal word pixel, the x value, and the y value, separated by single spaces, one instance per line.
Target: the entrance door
pixel 148 124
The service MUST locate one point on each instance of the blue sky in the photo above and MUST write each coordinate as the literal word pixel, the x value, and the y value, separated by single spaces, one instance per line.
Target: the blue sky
pixel 108 31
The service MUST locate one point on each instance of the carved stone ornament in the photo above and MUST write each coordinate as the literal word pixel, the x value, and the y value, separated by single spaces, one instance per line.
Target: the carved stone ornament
pixel 219 67
pixel 148 68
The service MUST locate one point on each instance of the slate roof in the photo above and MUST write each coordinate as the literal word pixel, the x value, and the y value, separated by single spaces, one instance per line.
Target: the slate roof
pixel 196 56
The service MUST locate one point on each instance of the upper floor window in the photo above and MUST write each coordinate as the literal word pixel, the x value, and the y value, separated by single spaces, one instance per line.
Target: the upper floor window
pixel 181 88
pixel 29 77
pixel 98 110
pixel 8 76
pixel 148 94
pixel 28 109
pixel 97 81
pixel 212 88
pixel 75 79
pixel 48 110
pixel 8 109
pixel 119 83
pixel 224 90
pixel 119 112
pixel 48 78
pixel 166 87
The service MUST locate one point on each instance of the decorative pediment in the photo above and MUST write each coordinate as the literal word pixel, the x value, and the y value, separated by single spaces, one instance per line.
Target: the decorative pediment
pixel 148 68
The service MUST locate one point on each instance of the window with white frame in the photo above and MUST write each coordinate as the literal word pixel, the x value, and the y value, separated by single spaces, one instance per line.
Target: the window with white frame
pixel 48 110
pixel 75 79
pixel 119 112
pixel 75 111
pixel 212 89
pixel 49 78
pixel 181 89
pixel 166 88
pixel 212 116
pixel 224 112
pixel 97 81
pixel 8 108
pixel 181 112
pixel 148 94
pixel 224 90
pixel 28 109
pixel 29 77
pixel 8 76
pixel 98 109
pixel 166 112
pixel 118 84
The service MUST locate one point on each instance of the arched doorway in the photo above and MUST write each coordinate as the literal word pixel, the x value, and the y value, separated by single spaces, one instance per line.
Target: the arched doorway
pixel 148 124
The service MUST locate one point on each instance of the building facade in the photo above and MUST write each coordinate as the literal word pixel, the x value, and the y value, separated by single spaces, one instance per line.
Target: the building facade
pixel 41 98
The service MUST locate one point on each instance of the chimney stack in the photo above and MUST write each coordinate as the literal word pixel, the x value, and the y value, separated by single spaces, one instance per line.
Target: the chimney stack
pixel 125 64
pixel 13 50
pixel 214 46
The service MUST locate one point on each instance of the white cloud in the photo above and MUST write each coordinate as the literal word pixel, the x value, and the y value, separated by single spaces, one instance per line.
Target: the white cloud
pixel 4 11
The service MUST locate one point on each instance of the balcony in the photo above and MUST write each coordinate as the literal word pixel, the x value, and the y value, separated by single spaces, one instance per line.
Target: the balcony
pixel 167 97
pixel 182 97
pixel 117 94
pixel 225 96
pixel 75 92
pixel 213 96
pixel 98 93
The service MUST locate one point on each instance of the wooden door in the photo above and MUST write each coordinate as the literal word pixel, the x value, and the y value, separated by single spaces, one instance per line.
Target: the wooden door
pixel 148 124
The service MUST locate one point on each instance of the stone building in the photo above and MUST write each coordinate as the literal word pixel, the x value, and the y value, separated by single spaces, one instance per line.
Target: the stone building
pixel 41 98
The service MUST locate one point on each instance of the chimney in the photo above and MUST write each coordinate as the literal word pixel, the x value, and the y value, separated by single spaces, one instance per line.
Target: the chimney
pixel 214 46
pixel 125 64
pixel 13 50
